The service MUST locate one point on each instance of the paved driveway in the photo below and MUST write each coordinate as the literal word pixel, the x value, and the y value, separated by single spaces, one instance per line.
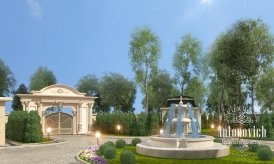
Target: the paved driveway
pixel 63 153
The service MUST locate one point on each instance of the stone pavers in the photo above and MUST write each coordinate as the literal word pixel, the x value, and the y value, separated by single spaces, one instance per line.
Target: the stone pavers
pixel 62 153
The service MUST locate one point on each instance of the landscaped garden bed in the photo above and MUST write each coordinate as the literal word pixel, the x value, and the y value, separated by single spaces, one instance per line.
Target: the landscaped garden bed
pixel 238 154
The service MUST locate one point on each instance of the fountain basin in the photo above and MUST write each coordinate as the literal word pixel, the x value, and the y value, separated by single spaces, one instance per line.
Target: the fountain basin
pixel 172 142
pixel 182 148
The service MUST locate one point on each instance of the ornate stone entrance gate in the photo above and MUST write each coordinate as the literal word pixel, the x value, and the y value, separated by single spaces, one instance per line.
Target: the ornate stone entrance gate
pixel 60 123
pixel 59 95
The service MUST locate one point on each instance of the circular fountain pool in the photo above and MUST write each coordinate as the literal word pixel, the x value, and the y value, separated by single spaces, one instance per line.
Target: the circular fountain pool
pixel 202 147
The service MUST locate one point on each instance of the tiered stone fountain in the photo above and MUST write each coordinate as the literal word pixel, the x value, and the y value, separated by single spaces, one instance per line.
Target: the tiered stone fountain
pixel 183 144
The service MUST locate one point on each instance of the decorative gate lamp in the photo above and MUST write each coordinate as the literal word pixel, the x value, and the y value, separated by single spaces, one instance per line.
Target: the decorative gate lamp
pixel 118 128
pixel 48 131
pixel 97 135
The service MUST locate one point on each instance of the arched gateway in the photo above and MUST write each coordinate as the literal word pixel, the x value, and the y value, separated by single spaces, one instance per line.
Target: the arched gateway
pixel 58 95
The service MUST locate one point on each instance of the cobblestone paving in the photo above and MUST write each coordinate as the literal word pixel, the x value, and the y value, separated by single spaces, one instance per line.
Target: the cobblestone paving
pixel 63 153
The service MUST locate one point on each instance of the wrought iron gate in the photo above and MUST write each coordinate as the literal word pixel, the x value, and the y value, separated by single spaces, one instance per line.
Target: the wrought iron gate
pixel 60 123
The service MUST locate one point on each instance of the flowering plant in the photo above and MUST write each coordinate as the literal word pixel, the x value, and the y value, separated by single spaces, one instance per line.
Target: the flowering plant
pixel 89 154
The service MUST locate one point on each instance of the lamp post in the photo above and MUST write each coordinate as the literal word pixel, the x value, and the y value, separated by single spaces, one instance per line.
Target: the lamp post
pixel 161 131
pixel 48 131
pixel 207 117
pixel 97 135
pixel 118 129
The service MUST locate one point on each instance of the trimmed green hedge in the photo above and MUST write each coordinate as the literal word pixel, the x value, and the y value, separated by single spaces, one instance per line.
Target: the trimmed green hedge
pixel 24 127
pixel 141 125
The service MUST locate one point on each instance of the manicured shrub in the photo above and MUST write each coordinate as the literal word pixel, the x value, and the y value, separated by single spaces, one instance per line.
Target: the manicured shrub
pixel 135 141
pixel 253 147
pixel 102 149
pixel 33 132
pixel 110 152
pixel 120 143
pixel 264 146
pixel 107 144
pixel 264 153
pixel 16 125
pixel 218 140
pixel 127 157
pixel 110 143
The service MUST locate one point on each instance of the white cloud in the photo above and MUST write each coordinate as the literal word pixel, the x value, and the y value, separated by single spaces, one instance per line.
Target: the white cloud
pixel 35 8
pixel 206 2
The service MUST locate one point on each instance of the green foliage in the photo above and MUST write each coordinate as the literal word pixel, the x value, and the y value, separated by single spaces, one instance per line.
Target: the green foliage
pixel 16 125
pixel 88 84
pixel 120 143
pixel 127 157
pixel 144 54
pixel 186 60
pixel 265 153
pixel 110 143
pixel 162 87
pixel 110 152
pixel 43 77
pixel 218 140
pixel 152 123
pixel 16 103
pixel 197 90
pixel 253 147
pixel 118 92
pixel 33 132
pixel 24 127
pixel 107 122
pixel 7 80
pixel 144 124
pixel 142 119
pixel 237 58
pixel 102 148
pixel 264 93
pixel 135 141
pixel 265 120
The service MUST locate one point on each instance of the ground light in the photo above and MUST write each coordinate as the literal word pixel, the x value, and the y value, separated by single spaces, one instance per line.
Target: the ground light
pixel 118 129
pixel 97 135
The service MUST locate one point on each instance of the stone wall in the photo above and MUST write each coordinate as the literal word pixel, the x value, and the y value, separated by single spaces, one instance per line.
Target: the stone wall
pixel 2 124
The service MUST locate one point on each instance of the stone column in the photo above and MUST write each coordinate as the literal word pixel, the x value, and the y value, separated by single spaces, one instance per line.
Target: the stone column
pixel 90 117
pixel 3 100
pixel 74 122
pixel 79 119
pixel 43 120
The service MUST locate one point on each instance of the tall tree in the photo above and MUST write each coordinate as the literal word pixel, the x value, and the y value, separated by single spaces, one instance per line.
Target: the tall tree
pixel 144 54
pixel 265 90
pixel 197 90
pixel 239 56
pixel 118 92
pixel 256 47
pixel 186 60
pixel 16 103
pixel 162 87
pixel 7 80
pixel 89 84
pixel 43 77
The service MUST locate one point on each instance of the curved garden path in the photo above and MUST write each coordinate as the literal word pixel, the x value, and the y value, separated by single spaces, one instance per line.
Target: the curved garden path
pixel 61 153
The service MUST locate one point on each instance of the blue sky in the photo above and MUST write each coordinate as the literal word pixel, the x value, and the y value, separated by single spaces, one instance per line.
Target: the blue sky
pixel 75 38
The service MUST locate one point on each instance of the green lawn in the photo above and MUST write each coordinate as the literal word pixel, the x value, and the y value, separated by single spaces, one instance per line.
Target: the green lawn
pixel 234 157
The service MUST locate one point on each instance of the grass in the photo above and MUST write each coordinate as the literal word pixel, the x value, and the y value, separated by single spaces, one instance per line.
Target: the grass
pixel 46 140
pixel 234 157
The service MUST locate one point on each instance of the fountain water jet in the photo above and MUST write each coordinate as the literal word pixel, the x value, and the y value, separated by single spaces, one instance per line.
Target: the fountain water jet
pixel 182 144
